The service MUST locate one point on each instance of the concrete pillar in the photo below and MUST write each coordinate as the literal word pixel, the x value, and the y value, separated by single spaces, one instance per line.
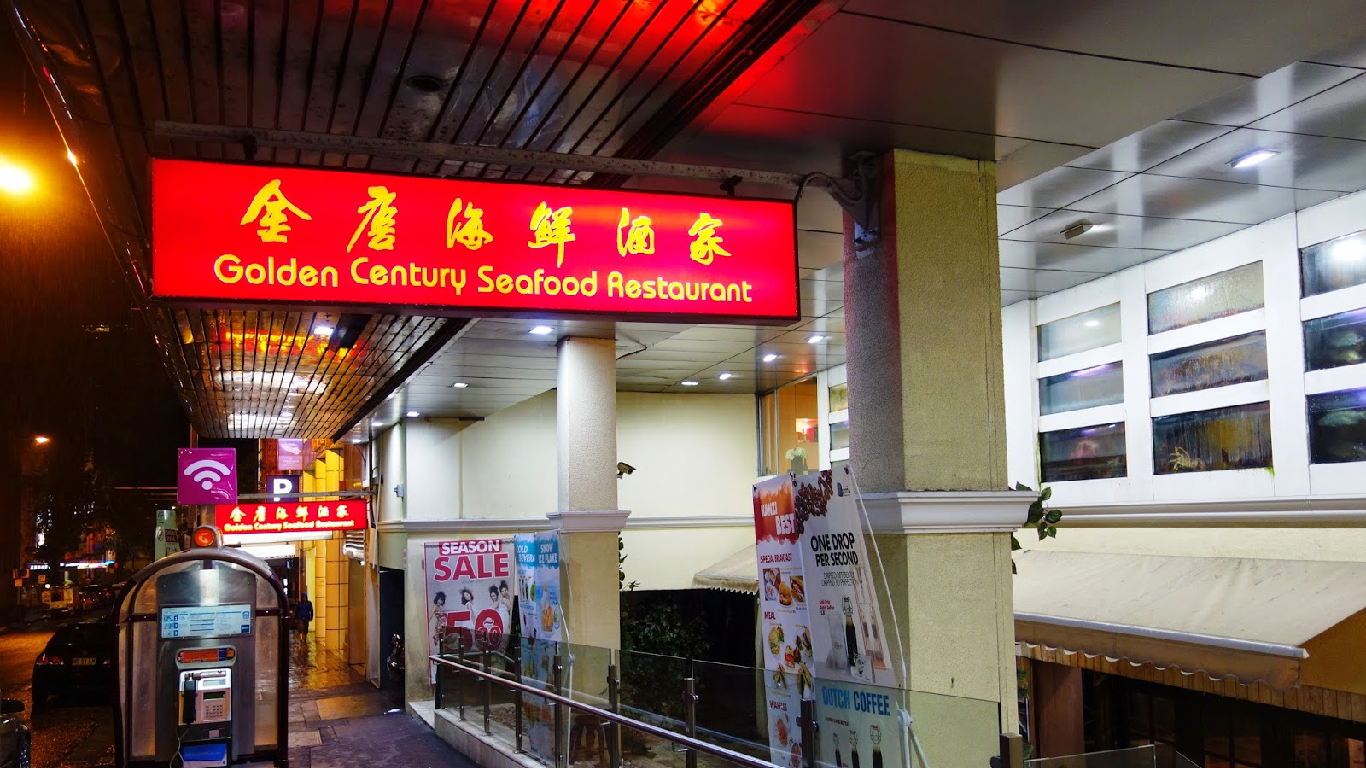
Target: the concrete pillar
pixel 928 444
pixel 588 519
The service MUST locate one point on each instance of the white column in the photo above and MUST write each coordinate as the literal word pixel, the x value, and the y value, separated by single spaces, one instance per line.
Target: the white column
pixel 588 519
pixel 586 424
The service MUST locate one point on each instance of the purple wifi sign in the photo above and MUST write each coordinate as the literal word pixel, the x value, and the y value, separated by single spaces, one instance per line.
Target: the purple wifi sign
pixel 206 476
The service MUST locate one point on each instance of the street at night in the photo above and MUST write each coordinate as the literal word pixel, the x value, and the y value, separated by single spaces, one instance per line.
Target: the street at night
pixel 68 734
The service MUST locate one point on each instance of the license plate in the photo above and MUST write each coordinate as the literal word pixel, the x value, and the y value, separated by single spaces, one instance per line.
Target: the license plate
pixel 83 661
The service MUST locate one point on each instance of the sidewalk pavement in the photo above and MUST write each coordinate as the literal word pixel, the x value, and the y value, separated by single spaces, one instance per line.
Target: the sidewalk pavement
pixel 338 720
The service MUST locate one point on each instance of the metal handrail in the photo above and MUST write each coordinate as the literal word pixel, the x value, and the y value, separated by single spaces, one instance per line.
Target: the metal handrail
pixel 687 742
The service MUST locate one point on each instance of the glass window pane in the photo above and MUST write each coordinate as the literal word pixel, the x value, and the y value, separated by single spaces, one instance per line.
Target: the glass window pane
pixel 1311 749
pixel 1335 340
pixel 1219 295
pixel 1087 388
pixel 1247 740
pixel 1088 453
pixel 788 422
pixel 839 397
pixel 1217 740
pixel 839 435
pixel 1164 720
pixel 1224 438
pixel 1333 265
pixel 1140 720
pixel 1205 366
pixel 1337 427
pixel 1078 333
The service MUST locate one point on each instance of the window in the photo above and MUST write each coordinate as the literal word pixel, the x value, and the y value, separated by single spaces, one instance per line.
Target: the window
pixel 839 397
pixel 1219 295
pixel 1238 437
pixel 1335 340
pixel 1152 719
pixel 1334 265
pixel 1337 427
pixel 1087 388
pixel 1233 736
pixel 1078 333
pixel 839 435
pixel 788 421
pixel 1088 453
pixel 1205 366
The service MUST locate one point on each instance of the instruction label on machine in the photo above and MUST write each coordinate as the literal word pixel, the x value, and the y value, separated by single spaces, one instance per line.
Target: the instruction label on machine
pixel 206 621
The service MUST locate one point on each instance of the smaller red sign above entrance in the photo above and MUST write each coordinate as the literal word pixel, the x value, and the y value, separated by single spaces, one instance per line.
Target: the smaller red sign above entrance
pixel 305 236
pixel 290 517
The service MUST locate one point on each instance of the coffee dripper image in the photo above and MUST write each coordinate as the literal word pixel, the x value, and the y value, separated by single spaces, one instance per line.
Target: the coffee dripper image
pixel 850 636
pixel 875 736
pixel 853 748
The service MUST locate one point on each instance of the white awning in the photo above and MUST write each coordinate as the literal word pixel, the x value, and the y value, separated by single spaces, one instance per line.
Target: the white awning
pixel 1227 617
pixel 737 573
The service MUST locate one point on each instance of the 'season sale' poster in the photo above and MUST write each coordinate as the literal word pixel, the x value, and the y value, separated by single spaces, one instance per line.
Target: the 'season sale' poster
pixel 469 594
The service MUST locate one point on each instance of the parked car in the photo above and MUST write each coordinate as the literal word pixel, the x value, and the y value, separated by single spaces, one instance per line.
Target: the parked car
pixel 15 749
pixel 78 659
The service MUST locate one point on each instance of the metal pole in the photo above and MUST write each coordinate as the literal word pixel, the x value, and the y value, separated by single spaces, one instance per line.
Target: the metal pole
pixel 558 683
pixel 517 694
pixel 459 684
pixel 808 724
pixel 438 687
pixel 613 728
pixel 650 729
pixel 488 690
pixel 690 719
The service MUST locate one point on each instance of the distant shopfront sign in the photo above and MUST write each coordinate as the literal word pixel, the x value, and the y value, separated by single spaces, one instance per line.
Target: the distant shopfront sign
pixel 289 454
pixel 290 517
pixel 303 236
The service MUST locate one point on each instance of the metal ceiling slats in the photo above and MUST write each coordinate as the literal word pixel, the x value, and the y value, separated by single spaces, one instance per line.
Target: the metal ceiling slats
pixel 400 26
pixel 338 93
pixel 200 31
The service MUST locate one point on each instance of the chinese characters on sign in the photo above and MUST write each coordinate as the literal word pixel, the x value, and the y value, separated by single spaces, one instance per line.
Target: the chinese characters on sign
pixel 290 516
pixel 251 234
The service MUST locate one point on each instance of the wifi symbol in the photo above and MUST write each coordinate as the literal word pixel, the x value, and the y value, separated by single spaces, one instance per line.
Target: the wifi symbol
pixel 206 472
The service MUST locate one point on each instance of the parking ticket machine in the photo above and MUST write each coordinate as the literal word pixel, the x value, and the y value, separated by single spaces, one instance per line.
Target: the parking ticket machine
pixel 202 661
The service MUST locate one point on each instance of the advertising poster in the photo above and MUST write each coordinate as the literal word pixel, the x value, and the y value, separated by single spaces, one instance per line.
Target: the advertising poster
pixel 538 585
pixel 469 594
pixel 858 725
pixel 784 627
pixel 848 639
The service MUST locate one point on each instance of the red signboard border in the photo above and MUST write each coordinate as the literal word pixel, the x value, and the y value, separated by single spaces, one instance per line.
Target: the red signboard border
pixel 435 310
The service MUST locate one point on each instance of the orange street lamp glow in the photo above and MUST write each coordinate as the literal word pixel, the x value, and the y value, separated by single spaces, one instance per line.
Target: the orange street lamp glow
pixel 71 157
pixel 15 180
pixel 42 439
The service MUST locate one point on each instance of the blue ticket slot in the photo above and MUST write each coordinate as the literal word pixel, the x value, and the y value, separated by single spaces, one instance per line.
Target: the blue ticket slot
pixel 207 755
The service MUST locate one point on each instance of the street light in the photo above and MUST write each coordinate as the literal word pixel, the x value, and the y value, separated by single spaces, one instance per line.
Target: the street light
pixel 42 439
pixel 14 180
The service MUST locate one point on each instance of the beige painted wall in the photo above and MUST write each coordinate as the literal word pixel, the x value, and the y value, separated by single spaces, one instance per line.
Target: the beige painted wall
pixel 505 466
pixel 1340 544
pixel 667 558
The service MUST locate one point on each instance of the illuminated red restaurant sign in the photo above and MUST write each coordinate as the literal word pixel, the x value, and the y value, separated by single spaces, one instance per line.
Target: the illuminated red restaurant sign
pixel 290 517
pixel 253 234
